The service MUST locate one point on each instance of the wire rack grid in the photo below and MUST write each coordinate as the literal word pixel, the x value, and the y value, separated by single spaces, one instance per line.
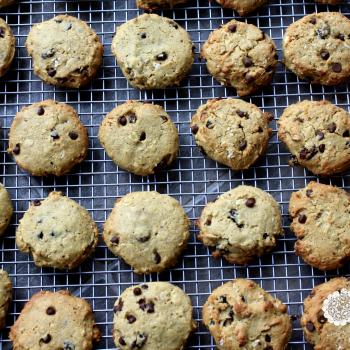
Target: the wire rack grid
pixel 193 180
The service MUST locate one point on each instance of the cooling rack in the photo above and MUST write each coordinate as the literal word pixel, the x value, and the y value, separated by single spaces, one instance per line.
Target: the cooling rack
pixel 193 180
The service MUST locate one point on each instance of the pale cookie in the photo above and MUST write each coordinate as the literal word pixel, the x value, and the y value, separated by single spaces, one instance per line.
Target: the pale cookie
pixel 6 209
pixel 5 296
pixel 241 315
pixel 240 55
pixel 150 5
pixel 4 3
pixel 65 51
pixel 326 318
pixel 243 7
pixel 148 230
pixel 316 48
pixel 241 224
pixel 317 133
pixel 48 138
pixel 140 137
pixel 152 316
pixel 55 321
pixel 153 52
pixel 58 232
pixel 7 47
pixel 321 223
pixel 231 131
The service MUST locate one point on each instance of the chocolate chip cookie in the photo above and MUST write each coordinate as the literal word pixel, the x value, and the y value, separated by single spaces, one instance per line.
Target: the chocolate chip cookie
pixel 57 231
pixel 150 5
pixel 231 131
pixel 316 48
pixel 148 230
pixel 5 296
pixel 6 209
pixel 243 7
pixel 241 315
pixel 321 223
pixel 240 55
pixel 65 51
pixel 326 318
pixel 48 138
pixel 140 137
pixel 55 321
pixel 7 47
pixel 4 3
pixel 153 52
pixel 152 316
pixel 317 133
pixel 241 224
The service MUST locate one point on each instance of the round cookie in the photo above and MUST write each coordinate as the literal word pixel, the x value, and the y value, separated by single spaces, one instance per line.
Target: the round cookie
pixel 148 230
pixel 243 7
pixel 152 316
pixel 241 224
pixel 48 138
pixel 316 48
pixel 321 223
pixel 7 47
pixel 4 3
pixel 150 5
pixel 240 55
pixel 55 321
pixel 326 318
pixel 231 131
pixel 317 133
pixel 241 315
pixel 140 137
pixel 153 52
pixel 6 209
pixel 58 232
pixel 5 296
pixel 65 51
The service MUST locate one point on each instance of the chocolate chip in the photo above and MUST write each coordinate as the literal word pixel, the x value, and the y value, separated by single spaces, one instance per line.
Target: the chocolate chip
pixel 268 347
pixel 250 202
pixel 143 35
pixel 232 28
pixel 122 341
pixel 242 145
pixel 322 147
pixel 313 20
pixel 346 133
pixel 130 318
pixel 137 291
pixel 347 144
pixel 132 118
pixel 119 306
pixel 340 37
pixel 156 257
pixel 302 218
pixel 50 311
pixel 143 136
pixel 208 222
pixel 303 153
pixel 242 114
pixel 40 111
pixel 122 120
pixel 162 56
pixel 194 129
pixel 48 54
pixel 144 238
pixel 308 193
pixel 68 346
pixel 332 127
pixel 209 124
pixel 267 338
pixel 320 135
pixel 324 55
pixel 150 307
pixel 144 286
pixel 40 235
pixel 310 326
pixel 222 299
pixel 321 319
pixel 249 78
pixel 337 67
pixel 36 202
pixel 114 240
pixel 17 149
pixel 243 298
pixel 139 342
pixel 144 306
pixel 2 32
pixel 265 235
pixel 51 72
pixel 73 135
pixel 54 134
pixel 247 61
pixel 46 339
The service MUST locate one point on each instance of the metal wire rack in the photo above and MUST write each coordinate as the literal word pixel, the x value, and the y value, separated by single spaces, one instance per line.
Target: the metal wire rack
pixel 193 180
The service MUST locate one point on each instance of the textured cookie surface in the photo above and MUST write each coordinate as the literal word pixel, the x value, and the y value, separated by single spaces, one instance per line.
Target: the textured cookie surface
pixel 55 321
pixel 241 315
pixel 152 316
pixel 6 209
pixel 7 46
pixel 153 52
pixel 317 134
pixel 47 138
pixel 243 7
pixel 4 3
pixel 326 318
pixel 5 296
pixel 240 55
pixel 231 131
pixel 57 231
pixel 140 137
pixel 158 4
pixel 241 224
pixel 148 230
pixel 316 48
pixel 65 51
pixel 321 223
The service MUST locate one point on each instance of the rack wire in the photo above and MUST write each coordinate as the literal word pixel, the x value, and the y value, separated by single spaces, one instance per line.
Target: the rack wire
pixel 193 180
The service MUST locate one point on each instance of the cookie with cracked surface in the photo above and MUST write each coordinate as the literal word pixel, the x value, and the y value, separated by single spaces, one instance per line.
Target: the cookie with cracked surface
pixel 326 318
pixel 5 296
pixel 48 138
pixel 316 48
pixel 153 52
pixel 240 55
pixel 140 137
pixel 4 3
pixel 6 209
pixel 55 320
pixel 231 131
pixel 148 230
pixel 57 232
pixel 152 316
pixel 321 223
pixel 65 51
pixel 241 224
pixel 150 5
pixel 243 7
pixel 317 133
pixel 241 315
pixel 7 47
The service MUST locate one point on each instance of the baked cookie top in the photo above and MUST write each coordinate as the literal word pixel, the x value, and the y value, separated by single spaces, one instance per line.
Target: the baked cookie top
pixel 243 7
pixel 5 296
pixel 6 209
pixel 4 3
pixel 158 4
pixel 7 46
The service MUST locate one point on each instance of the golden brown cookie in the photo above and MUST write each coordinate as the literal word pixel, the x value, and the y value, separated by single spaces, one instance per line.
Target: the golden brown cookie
pixel 7 46
pixel 243 7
